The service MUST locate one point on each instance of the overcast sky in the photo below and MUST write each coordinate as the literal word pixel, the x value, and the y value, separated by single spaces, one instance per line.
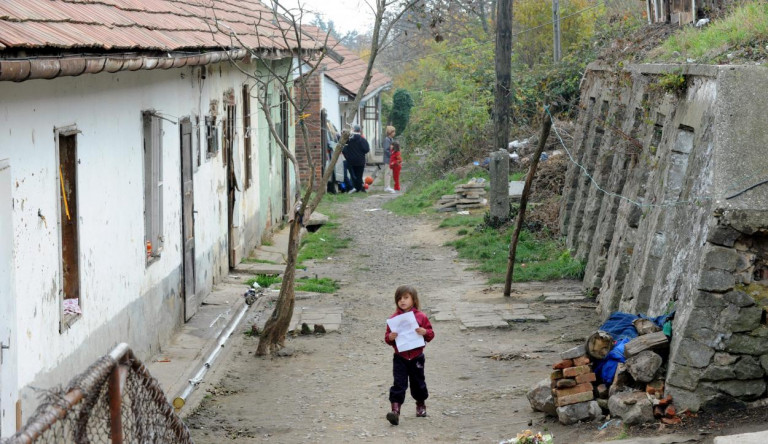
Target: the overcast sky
pixel 347 15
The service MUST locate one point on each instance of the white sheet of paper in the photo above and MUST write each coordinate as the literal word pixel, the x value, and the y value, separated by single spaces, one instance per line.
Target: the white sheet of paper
pixel 405 326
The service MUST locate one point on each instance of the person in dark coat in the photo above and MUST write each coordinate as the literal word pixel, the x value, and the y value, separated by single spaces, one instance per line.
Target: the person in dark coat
pixel 354 152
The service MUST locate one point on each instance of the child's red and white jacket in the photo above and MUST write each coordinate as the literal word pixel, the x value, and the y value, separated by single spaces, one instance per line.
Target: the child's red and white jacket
pixel 423 322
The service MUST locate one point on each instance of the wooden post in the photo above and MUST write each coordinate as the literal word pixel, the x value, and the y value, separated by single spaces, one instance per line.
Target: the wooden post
pixel 556 29
pixel 503 58
pixel 116 382
pixel 546 125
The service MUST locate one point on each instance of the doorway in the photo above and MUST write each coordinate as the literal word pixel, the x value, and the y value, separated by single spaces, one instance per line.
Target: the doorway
pixel 8 344
pixel 188 218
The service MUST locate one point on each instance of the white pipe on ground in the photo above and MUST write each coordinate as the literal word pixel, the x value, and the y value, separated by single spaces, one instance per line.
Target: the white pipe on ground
pixel 180 400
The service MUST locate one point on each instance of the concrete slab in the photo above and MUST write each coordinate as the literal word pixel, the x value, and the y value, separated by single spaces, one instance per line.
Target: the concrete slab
pixel 490 323
pixel 259 268
pixel 329 316
pixel 523 317
pixel 516 188
pixel 565 299
pixel 666 439
pixel 743 438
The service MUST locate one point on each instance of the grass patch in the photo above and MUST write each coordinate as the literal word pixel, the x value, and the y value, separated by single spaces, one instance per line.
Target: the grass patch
pixel 746 25
pixel 518 175
pixel 536 259
pixel 264 280
pixel 419 200
pixel 322 243
pixel 317 285
pixel 252 260
pixel 461 221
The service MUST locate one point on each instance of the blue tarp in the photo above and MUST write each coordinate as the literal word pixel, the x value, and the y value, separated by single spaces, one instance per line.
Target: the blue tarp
pixel 619 326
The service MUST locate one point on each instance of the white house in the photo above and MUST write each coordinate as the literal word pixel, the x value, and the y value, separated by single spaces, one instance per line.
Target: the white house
pixel 331 92
pixel 135 170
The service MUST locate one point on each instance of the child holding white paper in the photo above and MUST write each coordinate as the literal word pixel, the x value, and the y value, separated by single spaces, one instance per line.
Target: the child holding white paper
pixel 408 364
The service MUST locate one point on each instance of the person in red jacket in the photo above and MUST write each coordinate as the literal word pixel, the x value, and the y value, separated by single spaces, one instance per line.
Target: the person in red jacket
pixel 395 163
pixel 408 364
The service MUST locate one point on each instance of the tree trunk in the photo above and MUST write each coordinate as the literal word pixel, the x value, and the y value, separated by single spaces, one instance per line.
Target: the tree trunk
pixel 546 124
pixel 273 336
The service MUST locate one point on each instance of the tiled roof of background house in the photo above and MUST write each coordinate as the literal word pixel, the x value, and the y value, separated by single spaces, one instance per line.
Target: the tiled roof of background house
pixel 350 72
pixel 136 25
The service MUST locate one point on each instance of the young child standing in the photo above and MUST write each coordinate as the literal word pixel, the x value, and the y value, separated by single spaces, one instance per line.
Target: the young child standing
pixel 395 163
pixel 408 364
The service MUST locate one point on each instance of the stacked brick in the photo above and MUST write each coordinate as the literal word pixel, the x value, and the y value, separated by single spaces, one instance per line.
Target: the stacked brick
pixel 572 378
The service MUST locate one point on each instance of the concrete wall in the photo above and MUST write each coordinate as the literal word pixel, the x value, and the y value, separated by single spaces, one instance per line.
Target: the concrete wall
pixel 659 226
pixel 123 299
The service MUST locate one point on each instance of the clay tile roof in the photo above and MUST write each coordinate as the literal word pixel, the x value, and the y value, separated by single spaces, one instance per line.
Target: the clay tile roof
pixel 136 25
pixel 350 72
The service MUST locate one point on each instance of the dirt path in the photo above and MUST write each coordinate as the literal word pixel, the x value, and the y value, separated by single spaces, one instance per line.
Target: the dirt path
pixel 334 387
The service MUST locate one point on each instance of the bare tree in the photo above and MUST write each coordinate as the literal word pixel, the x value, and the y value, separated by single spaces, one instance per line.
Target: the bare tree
pixel 285 25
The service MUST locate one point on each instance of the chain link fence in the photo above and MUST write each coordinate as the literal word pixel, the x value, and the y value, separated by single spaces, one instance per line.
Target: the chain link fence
pixel 114 401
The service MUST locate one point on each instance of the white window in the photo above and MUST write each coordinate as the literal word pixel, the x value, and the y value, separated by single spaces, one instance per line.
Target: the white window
pixel 153 185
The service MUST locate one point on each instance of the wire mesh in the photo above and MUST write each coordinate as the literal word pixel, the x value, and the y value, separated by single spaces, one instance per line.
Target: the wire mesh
pixel 115 400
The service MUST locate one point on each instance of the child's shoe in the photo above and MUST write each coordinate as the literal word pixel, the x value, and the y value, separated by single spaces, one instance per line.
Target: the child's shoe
pixel 394 416
pixel 421 409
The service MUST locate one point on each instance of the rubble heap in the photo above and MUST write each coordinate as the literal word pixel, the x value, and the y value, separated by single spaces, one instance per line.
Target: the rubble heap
pixel 466 196
pixel 574 391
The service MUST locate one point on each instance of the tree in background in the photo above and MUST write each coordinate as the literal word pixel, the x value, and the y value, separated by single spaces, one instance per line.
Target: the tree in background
pixel 534 31
pixel 401 110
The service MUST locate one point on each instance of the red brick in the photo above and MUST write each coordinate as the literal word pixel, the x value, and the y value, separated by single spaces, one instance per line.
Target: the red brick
pixel 563 364
pixel 671 421
pixel 581 360
pixel 658 411
pixel 574 399
pixel 581 388
pixel 586 377
pixel 566 383
pixel 665 401
pixel 576 371
pixel 557 374
pixel 670 411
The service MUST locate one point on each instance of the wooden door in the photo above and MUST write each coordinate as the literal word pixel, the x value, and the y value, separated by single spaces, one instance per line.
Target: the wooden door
pixel 188 219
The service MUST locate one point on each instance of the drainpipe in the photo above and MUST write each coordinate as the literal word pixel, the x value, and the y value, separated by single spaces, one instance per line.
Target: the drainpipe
pixel 180 400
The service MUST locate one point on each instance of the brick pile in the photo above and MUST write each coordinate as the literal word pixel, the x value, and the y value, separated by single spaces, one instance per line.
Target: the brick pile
pixel 572 378
pixel 663 408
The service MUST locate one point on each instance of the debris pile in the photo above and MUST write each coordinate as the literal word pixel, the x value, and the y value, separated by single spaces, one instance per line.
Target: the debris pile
pixel 466 196
pixel 619 374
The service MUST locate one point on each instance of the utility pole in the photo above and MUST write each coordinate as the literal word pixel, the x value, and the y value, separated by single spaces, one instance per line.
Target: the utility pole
pixel 502 91
pixel 556 28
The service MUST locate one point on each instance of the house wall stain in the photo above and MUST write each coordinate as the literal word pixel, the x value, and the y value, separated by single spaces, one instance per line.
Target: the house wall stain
pixel 124 299
pixel 681 238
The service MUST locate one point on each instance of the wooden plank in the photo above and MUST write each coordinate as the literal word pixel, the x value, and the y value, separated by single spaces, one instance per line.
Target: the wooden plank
pixel 646 342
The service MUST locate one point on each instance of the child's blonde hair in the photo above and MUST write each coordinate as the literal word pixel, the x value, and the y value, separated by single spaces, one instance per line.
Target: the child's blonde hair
pixel 407 289
pixel 390 131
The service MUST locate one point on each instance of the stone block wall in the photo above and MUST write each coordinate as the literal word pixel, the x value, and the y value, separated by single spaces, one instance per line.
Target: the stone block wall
pixel 658 204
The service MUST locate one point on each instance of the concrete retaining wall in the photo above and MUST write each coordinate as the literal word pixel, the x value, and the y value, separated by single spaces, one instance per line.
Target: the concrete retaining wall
pixel 663 221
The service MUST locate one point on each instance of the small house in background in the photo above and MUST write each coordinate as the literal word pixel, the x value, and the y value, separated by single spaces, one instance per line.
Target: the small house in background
pixel 135 171
pixel 331 91
pixel 681 12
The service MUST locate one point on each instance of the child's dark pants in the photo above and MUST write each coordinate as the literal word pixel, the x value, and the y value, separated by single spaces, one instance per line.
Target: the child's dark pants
pixel 404 370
